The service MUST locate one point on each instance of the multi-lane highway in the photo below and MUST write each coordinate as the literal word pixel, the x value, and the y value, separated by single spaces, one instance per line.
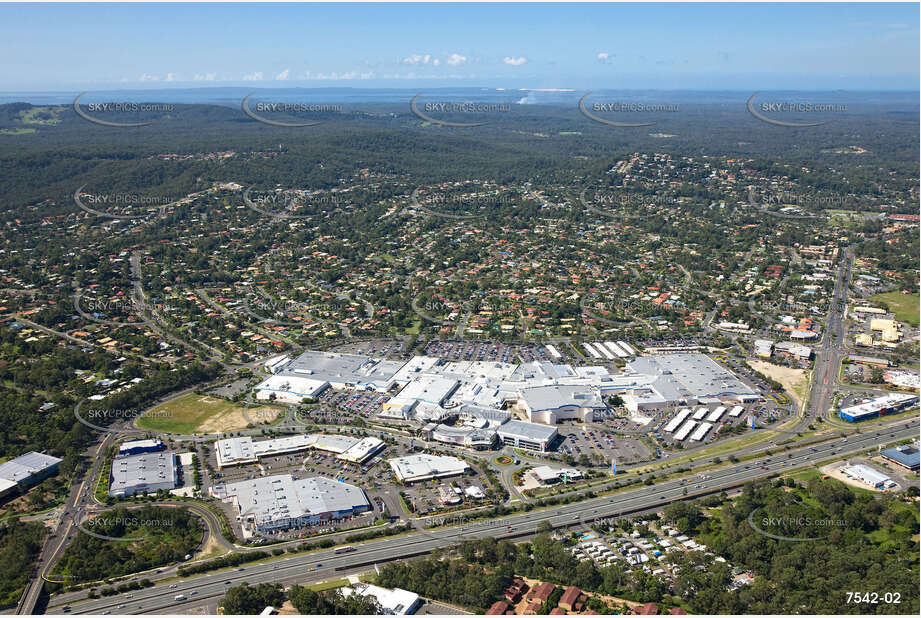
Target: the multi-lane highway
pixel 208 588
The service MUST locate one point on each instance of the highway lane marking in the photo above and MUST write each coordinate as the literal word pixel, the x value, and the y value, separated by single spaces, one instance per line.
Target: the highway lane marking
pixel 803 459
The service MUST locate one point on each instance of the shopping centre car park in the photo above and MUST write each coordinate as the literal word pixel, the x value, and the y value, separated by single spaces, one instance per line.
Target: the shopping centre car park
pixel 599 440
pixel 379 348
pixel 454 406
pixel 352 402
pixel 374 476
pixel 483 351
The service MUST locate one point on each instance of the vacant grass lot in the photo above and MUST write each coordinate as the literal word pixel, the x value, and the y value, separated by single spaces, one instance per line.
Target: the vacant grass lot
pixel 904 306
pixel 194 413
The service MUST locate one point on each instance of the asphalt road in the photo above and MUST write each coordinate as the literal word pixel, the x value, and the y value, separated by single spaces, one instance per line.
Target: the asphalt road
pixel 322 565
pixel 830 353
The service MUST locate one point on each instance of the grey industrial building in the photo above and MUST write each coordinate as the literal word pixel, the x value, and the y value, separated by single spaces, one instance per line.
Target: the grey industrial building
pixel 135 447
pixel 527 435
pixel 143 473
pixel 907 456
pixel 281 502
pixel 25 471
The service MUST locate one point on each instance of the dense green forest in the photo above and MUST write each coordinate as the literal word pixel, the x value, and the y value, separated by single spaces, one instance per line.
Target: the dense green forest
pixel 167 535
pixel 20 544
pixel 246 599
pixel 44 371
pixel 252 599
pixel 534 143
pixel 875 551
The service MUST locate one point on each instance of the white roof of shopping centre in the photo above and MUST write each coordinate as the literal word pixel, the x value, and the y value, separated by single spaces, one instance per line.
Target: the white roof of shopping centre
pixel 242 449
pixel 276 498
pixel 696 375
pixel 343 369
pixel 489 384
pixel 559 396
pixel 418 467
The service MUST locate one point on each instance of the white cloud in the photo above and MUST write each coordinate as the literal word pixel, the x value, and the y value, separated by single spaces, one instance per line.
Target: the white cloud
pixel 515 62
pixel 603 55
pixel 456 60
pixel 253 77
pixel 205 77
pixel 417 59
pixel 283 75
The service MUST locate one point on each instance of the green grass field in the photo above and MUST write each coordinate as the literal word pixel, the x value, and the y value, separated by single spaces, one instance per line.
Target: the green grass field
pixel 20 131
pixel 42 115
pixel 904 306
pixel 194 413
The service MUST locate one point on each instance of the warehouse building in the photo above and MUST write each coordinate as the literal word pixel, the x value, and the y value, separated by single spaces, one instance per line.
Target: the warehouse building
pixel 870 361
pixel 395 602
pixel 415 468
pixel 134 447
pixel 764 348
pixel 281 502
pixel 881 406
pixel 143 473
pixel 25 471
pixel 796 350
pixel 907 456
pixel 273 365
pixel 869 476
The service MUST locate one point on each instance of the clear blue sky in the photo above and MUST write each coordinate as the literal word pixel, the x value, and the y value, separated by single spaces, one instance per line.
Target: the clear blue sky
pixel 697 46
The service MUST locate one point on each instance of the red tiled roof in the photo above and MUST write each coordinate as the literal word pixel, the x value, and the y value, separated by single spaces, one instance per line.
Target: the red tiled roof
pixel 542 591
pixel 570 596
